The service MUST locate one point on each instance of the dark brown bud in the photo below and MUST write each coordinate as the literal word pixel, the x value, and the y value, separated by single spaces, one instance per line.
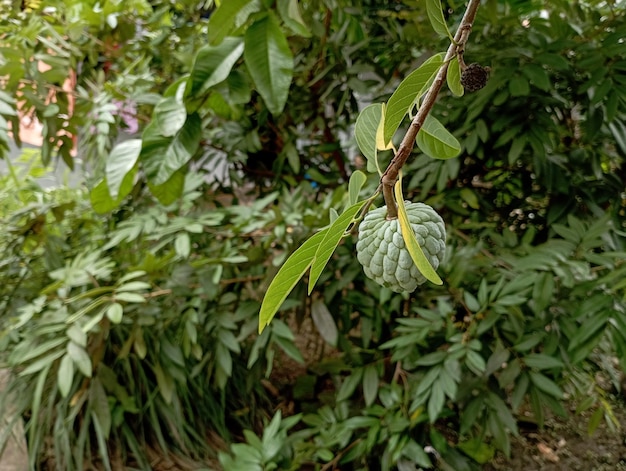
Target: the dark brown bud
pixel 474 77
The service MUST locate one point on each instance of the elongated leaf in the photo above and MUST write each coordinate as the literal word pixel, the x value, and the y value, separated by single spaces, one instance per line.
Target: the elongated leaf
pixel 408 93
pixel 454 77
pixel 542 361
pixel 436 141
pixel 269 61
pixel 290 13
pixel 120 162
pixel 222 20
pixel 287 277
pixel 545 384
pixel 162 156
pixel 333 236
pixel 413 247
pixel 324 322
pixel 212 65
pixel 370 384
pixel 365 130
pixel 65 375
pixel 357 180
pixel 437 20
pixel 170 115
pixel 80 357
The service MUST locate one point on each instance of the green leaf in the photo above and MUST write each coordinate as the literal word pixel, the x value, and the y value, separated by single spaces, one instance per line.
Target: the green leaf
pixel 412 246
pixel 333 236
pixel 370 384
pixel 365 130
pixel 357 180
pixel 437 20
pixel 171 190
pixel 542 361
pixel 115 312
pixel 269 61
pixel 170 115
pixel 121 162
pixel 478 450
pixel 65 375
pixel 454 77
pixel 324 322
pixel 545 384
pixel 290 13
pixel 408 94
pixel 182 245
pixel 162 156
pixel 130 297
pixel 436 141
pixel 81 358
pixel 223 19
pixel 287 277
pixel 100 198
pixel 212 65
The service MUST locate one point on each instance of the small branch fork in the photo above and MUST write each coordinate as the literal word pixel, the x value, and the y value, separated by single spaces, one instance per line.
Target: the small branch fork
pixel 457 47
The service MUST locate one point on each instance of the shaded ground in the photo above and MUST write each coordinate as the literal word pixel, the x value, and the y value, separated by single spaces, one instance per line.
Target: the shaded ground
pixel 565 445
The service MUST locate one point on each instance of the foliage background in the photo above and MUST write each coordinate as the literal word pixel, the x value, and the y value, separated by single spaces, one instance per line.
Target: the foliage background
pixel 130 319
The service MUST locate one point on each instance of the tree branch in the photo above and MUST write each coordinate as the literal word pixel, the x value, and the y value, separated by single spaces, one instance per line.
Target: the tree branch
pixel 390 175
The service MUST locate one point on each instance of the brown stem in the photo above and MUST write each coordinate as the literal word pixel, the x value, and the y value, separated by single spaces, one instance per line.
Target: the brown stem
pixel 390 175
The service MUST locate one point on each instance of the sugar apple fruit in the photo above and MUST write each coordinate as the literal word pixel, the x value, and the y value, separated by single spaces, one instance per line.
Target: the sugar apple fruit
pixel 383 254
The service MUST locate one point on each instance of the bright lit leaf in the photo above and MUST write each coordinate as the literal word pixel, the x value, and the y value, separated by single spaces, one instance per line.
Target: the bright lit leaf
pixel 413 247
pixel 332 237
pixel 120 162
pixel 65 375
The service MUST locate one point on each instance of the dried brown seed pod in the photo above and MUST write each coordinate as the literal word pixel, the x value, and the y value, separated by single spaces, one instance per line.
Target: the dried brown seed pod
pixel 474 77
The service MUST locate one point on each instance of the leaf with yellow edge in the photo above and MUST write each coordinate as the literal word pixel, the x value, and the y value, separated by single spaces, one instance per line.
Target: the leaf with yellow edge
pixel 287 277
pixel 413 247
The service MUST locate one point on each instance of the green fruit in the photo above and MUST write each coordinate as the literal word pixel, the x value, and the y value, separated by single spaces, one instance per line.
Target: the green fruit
pixel 381 250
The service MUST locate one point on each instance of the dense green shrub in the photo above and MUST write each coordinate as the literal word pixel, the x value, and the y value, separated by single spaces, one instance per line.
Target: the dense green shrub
pixel 137 328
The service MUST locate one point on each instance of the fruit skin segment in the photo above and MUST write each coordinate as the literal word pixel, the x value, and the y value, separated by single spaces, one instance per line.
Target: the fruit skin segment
pixel 382 252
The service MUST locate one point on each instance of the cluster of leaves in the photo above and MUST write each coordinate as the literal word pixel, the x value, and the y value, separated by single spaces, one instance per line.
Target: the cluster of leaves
pixel 138 328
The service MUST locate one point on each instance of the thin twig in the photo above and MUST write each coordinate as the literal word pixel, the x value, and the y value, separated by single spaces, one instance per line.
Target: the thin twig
pixel 390 175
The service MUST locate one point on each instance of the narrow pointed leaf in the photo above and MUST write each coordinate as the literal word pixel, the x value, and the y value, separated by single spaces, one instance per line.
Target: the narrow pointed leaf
pixel 437 20
pixel 436 141
pixel 333 236
pixel 365 131
pixel 269 61
pixel 120 163
pixel 212 65
pixel 357 180
pixel 287 277
pixel 408 93
pixel 413 247
pixel 222 21
pixel 454 77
